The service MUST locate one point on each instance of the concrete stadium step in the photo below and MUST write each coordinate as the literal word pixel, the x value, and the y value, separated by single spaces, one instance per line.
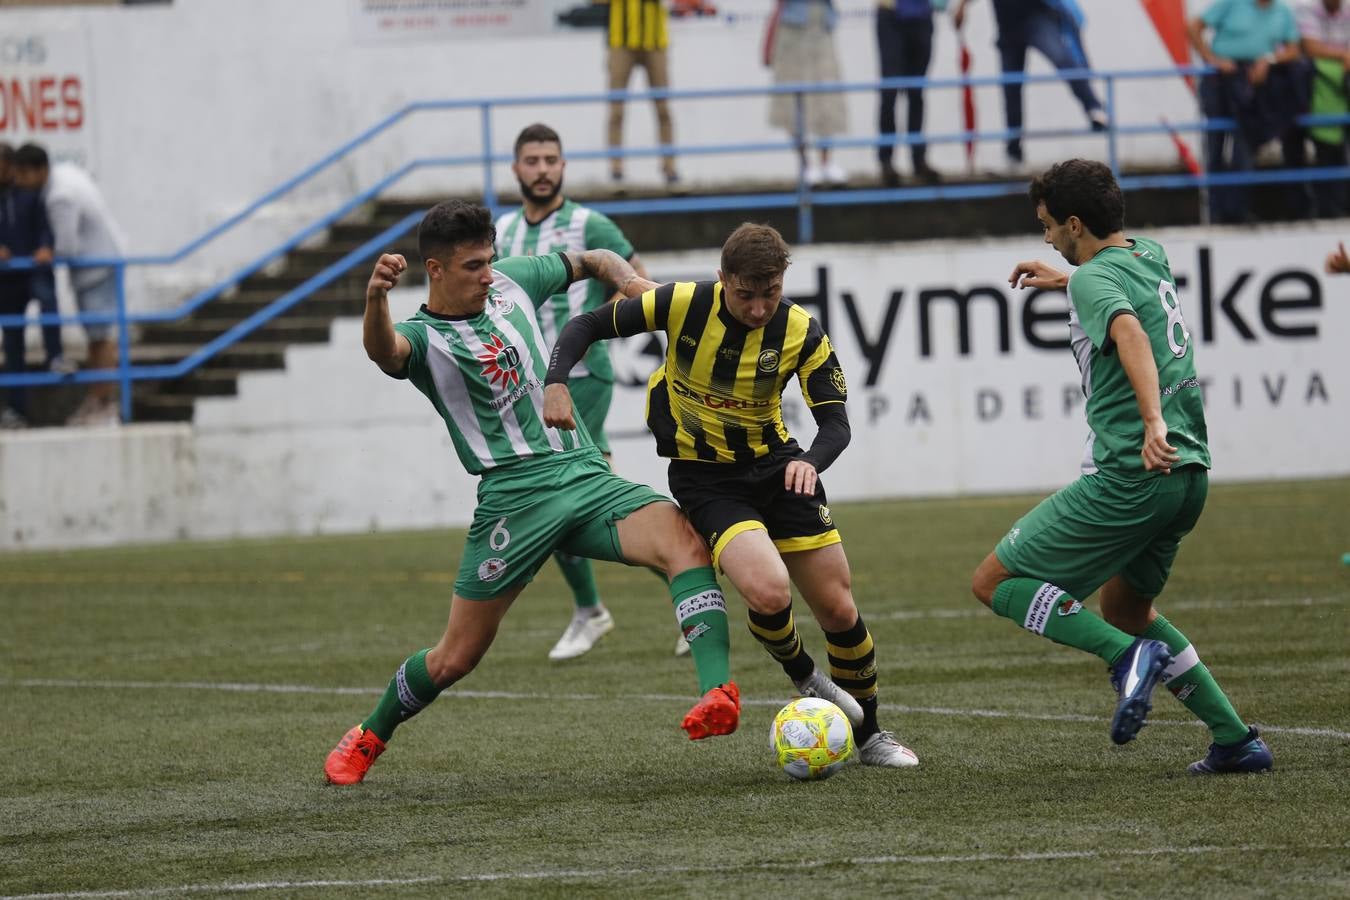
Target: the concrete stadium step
pixel 241 357
pixel 286 330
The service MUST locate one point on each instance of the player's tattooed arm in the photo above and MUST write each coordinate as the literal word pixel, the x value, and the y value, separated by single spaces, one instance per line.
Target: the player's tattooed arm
pixel 611 268
pixel 386 347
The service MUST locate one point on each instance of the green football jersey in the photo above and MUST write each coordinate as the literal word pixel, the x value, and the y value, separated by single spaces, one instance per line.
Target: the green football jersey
pixel 484 373
pixel 1134 280
pixel 574 228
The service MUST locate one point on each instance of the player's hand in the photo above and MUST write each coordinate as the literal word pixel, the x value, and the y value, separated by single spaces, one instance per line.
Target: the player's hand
pixel 388 269
pixel 558 407
pixel 1338 263
pixel 800 478
pixel 1035 274
pixel 1158 455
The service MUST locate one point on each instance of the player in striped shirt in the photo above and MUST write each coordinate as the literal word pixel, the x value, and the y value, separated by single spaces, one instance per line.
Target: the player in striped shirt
pixel 475 349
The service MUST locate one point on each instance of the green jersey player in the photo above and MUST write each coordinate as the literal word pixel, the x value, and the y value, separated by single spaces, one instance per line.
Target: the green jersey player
pixel 476 351
pixel 1144 473
pixel 548 222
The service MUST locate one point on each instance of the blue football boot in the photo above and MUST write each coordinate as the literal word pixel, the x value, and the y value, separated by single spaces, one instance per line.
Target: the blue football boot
pixel 1134 677
pixel 1248 755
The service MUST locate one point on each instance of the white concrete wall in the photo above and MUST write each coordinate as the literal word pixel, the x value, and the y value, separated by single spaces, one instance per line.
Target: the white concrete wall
pixel 194 109
pixel 332 445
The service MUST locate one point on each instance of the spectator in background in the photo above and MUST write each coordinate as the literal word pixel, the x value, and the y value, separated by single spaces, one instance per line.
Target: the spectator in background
pixel 905 47
pixel 1252 40
pixel 81 226
pixel 24 232
pixel 1324 26
pixel 1054 28
pixel 799 47
pixel 637 37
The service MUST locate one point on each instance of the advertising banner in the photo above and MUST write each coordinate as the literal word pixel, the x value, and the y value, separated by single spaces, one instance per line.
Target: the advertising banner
pixel 395 21
pixel 45 90
pixel 960 384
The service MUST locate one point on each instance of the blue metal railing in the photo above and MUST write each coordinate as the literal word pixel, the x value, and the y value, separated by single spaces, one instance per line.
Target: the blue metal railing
pixel 803 197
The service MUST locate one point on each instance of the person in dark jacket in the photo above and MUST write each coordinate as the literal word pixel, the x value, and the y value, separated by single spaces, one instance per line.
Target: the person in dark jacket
pixel 24 232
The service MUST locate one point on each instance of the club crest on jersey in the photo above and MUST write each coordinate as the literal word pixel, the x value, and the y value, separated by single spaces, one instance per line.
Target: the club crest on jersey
pixel 500 362
pixel 825 516
pixel 502 303
pixel 768 361
pixel 837 379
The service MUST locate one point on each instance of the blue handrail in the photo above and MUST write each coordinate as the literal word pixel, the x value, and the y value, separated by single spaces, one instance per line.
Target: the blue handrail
pixel 803 197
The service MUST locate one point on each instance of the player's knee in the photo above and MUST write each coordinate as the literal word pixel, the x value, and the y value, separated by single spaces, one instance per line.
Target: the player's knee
pixel 446 665
pixel 766 594
pixel 685 549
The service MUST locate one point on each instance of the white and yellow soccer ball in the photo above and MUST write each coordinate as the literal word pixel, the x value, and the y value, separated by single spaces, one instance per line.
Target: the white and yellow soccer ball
pixel 811 738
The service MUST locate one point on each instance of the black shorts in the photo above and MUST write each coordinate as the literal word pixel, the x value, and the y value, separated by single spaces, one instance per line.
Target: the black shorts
pixel 725 499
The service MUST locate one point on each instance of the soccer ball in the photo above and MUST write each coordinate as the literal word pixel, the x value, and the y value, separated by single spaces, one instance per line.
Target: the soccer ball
pixel 811 738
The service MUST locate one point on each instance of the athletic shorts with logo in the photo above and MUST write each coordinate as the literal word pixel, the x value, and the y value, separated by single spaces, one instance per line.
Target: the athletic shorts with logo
pixel 591 397
pixel 1099 527
pixel 723 500
pixel 569 501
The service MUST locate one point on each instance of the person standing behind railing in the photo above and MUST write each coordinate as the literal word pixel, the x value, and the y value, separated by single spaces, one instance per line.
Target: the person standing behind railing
pixel 82 226
pixel 1053 27
pixel 1251 41
pixel 1324 26
pixel 905 49
pixel 799 47
pixel 23 232
pixel 638 37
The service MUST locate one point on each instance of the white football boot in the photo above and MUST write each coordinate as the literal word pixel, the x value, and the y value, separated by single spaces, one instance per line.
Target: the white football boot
pixel 819 686
pixel 882 749
pixel 585 629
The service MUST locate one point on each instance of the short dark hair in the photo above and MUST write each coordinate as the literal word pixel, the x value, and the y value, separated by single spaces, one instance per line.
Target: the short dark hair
pixel 452 223
pixel 755 253
pixel 6 152
pixel 1083 188
pixel 31 156
pixel 538 132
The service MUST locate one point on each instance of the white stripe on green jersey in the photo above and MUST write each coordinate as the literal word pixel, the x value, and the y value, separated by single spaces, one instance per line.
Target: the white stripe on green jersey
pixel 1135 280
pixel 484 373
pixel 575 228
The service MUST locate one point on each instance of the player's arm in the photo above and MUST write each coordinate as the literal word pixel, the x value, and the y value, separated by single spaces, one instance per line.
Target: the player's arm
pixel 636 262
pixel 825 391
pixel 386 347
pixel 1033 273
pixel 609 267
pixel 618 318
pixel 1136 357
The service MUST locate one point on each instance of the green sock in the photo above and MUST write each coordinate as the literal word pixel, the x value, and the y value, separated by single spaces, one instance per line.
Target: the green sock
pixel 702 612
pixel 580 576
pixel 1042 608
pixel 1190 682
pixel 408 693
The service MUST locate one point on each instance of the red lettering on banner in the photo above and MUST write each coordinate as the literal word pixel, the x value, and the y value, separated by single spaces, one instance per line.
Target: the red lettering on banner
pixel 44 103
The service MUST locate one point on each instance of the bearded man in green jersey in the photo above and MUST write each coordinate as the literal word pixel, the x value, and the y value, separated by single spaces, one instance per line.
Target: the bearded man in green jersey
pixel 476 351
pixel 1145 471
pixel 547 222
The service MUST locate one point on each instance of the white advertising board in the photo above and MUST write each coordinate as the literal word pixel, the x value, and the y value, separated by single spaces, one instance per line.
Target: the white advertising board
pixel 46 87
pixel 957 383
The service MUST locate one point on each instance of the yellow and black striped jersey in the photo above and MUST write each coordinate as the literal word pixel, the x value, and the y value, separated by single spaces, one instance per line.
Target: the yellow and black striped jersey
pixel 637 24
pixel 718 395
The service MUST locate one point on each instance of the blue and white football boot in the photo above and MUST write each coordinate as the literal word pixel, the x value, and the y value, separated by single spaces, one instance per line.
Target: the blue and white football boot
pixel 1248 755
pixel 1134 676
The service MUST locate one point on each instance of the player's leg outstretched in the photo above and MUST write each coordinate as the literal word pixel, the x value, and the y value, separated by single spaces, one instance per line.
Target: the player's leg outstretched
pixel 419 681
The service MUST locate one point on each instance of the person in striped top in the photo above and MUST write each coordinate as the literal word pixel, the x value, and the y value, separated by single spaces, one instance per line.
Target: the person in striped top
pixel 548 222
pixel 638 37
pixel 476 351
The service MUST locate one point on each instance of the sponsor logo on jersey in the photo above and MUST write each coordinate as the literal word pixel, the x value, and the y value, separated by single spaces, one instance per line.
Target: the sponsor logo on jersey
pixel 500 362
pixel 837 379
pixel 825 515
pixel 768 361
pixel 491 569
pixel 715 401
pixel 688 341
pixel 1012 535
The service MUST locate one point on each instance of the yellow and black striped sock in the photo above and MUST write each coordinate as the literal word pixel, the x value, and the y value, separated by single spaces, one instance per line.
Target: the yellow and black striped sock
pixel 778 633
pixel 853 666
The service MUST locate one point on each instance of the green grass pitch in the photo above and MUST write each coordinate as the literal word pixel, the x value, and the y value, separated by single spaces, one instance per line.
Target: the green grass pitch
pixel 167 710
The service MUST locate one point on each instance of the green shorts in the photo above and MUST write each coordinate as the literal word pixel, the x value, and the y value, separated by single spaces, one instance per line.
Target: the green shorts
pixel 590 403
pixel 1099 527
pixel 570 501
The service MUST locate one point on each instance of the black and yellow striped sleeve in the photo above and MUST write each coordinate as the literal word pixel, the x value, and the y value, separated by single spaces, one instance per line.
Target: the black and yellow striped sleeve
pixel 618 318
pixel 819 371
